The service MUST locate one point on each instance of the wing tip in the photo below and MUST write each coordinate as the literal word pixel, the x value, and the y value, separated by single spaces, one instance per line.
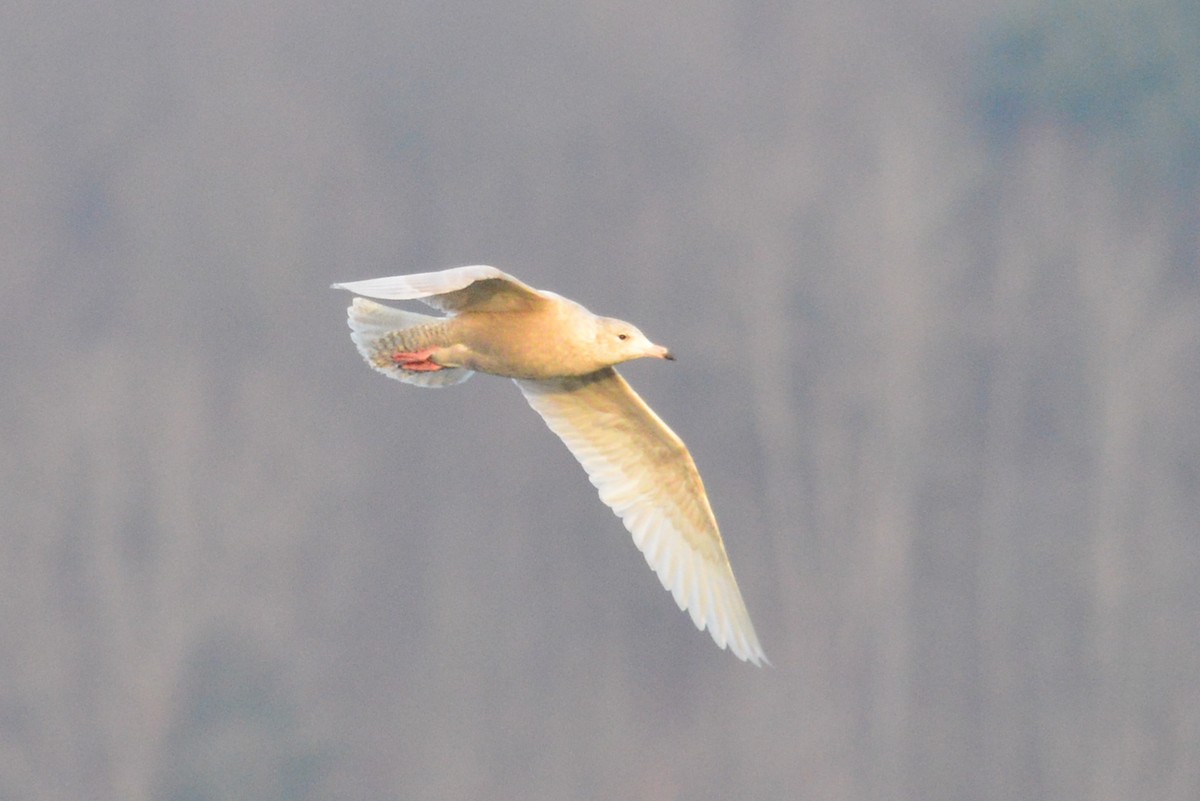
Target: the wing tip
pixel 750 651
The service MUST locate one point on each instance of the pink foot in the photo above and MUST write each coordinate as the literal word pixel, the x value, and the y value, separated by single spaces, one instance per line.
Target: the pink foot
pixel 418 361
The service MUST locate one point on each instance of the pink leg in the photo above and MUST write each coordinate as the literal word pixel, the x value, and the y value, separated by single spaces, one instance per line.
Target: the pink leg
pixel 418 361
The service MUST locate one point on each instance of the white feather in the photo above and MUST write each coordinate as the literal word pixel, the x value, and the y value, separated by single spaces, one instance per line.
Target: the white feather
pixel 643 471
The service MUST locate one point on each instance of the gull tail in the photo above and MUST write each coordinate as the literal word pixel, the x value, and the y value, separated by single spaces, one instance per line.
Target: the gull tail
pixel 379 331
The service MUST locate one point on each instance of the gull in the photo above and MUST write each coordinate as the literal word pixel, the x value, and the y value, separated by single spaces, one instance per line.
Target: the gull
pixel 562 358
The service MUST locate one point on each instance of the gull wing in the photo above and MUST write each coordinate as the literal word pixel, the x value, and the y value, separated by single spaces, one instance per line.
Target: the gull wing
pixel 475 288
pixel 645 474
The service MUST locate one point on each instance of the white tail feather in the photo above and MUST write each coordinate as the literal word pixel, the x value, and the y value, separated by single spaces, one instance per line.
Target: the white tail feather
pixel 376 329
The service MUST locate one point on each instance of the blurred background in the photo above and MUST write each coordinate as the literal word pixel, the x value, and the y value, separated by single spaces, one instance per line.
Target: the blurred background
pixel 932 272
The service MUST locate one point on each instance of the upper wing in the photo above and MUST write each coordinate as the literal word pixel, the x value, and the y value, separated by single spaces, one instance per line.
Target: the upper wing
pixel 644 472
pixel 476 288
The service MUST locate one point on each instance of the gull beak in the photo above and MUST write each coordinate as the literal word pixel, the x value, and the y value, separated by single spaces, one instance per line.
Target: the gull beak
pixel 659 352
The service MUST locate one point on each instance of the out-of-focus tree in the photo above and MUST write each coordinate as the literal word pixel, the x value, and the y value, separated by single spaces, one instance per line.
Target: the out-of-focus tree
pixel 1123 73
pixel 236 732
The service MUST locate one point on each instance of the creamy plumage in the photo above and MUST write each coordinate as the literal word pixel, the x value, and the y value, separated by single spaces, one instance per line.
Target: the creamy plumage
pixel 562 358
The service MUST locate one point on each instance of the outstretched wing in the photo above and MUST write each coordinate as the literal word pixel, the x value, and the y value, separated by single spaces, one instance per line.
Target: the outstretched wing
pixel 646 475
pixel 475 288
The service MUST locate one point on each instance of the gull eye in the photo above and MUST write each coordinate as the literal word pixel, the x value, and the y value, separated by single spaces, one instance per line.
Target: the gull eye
pixel 622 337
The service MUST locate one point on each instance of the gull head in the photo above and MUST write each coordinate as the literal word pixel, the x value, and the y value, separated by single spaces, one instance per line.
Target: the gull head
pixel 618 341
